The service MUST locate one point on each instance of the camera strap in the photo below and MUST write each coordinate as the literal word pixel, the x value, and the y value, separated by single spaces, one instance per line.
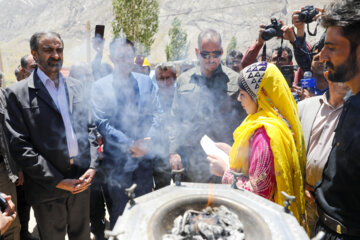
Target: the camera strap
pixel 263 55
pixel 315 31
pixel 279 54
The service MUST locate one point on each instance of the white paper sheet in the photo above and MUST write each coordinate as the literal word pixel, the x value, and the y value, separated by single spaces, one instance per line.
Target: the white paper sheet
pixel 210 148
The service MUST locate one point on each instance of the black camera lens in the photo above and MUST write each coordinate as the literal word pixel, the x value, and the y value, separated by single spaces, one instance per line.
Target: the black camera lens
pixel 268 34
pixel 307 14
pixel 272 30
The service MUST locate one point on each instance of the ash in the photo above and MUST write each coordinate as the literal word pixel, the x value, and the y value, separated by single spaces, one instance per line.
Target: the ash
pixel 210 223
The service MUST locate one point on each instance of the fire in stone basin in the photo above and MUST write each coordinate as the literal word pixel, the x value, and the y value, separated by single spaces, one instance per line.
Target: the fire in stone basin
pixel 210 223
pixel 152 216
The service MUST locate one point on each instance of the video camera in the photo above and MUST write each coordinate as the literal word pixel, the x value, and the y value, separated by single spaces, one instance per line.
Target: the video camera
pixel 307 14
pixel 272 30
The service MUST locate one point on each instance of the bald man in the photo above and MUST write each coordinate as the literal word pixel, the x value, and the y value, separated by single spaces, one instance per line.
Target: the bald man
pixel 204 103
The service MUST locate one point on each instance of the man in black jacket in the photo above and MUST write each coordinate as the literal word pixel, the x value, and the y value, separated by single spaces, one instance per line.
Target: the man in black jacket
pixel 50 138
pixel 338 192
pixel 8 172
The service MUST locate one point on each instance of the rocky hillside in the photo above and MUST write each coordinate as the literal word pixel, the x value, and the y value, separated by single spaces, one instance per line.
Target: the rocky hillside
pixel 19 19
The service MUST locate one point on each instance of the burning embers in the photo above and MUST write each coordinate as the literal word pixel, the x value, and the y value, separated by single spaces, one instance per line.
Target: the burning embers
pixel 210 223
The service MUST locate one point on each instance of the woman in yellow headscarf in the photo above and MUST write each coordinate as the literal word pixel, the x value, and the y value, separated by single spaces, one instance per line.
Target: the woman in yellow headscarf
pixel 269 145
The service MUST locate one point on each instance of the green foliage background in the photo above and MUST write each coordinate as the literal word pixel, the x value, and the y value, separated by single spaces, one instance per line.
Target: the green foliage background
pixel 136 20
pixel 178 46
pixel 232 45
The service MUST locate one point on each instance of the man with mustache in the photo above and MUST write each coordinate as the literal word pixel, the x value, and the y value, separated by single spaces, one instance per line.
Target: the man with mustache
pixel 319 117
pixel 48 126
pixel 204 103
pixel 338 192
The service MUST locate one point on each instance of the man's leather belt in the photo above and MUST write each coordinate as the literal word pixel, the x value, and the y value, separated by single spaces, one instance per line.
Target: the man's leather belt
pixel 335 225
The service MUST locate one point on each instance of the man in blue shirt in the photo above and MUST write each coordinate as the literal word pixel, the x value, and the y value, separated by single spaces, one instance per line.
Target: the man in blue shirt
pixel 124 103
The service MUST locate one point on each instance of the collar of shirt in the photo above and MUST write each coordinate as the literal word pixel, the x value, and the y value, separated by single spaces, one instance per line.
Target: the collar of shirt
pixel 320 91
pixel 46 80
pixel 202 79
pixel 324 100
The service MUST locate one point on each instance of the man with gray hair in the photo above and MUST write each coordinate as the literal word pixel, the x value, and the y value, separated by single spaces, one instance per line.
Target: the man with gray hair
pixel 204 103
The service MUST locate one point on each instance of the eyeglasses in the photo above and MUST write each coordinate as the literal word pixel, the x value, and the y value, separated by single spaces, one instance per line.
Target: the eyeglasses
pixel 207 55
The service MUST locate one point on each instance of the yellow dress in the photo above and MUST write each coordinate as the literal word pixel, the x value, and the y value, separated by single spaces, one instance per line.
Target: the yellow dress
pixel 277 113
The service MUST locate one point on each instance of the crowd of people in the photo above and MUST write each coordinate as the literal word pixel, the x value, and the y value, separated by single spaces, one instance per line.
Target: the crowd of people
pixel 72 144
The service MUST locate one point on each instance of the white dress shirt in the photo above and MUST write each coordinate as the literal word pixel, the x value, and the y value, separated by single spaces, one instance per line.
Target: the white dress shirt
pixel 59 97
pixel 322 135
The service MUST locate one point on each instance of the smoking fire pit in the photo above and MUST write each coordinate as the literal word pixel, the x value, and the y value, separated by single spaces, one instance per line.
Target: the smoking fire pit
pixel 153 214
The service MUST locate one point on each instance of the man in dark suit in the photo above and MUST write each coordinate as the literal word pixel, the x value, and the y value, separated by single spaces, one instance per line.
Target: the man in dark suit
pixel 52 141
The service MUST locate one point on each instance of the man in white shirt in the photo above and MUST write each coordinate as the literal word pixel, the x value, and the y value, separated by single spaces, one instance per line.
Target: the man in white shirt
pixel 50 138
pixel 319 117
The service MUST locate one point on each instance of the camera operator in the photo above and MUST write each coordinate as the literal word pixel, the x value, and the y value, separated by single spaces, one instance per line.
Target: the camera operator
pixel 8 215
pixel 252 52
pixel 306 56
pixel 282 60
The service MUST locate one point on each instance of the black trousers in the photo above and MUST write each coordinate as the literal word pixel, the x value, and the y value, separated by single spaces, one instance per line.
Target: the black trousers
pixel 65 215
pixel 98 197
pixel 23 209
pixel 161 172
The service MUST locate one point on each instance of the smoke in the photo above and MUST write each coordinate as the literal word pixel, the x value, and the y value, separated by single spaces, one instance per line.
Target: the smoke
pixel 126 106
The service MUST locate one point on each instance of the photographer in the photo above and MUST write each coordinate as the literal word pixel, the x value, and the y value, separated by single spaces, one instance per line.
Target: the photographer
pixel 8 215
pixel 301 47
pixel 252 52
pixel 266 32
pixel 306 56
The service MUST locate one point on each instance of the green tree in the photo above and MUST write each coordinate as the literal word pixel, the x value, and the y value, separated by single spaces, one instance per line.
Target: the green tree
pixel 232 45
pixel 137 20
pixel 178 46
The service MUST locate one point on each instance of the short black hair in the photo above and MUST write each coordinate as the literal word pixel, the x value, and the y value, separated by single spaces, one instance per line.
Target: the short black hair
pixel 287 49
pixel 24 61
pixel 319 45
pixel 344 14
pixel 17 72
pixel 34 40
pixel 121 41
pixel 234 54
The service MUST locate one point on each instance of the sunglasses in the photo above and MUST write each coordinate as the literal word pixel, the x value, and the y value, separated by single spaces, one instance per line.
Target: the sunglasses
pixel 207 55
